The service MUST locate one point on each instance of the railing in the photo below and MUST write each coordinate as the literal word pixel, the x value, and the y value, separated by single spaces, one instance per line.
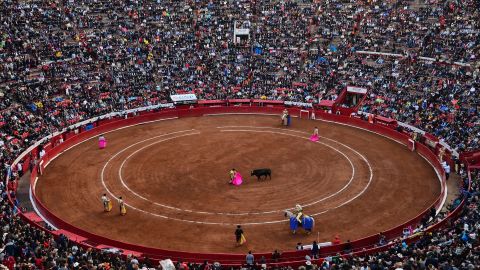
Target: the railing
pixel 101 125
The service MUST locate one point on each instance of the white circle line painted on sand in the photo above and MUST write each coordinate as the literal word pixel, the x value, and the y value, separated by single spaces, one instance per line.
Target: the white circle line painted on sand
pixel 247 223
pixel 352 149
pixel 120 175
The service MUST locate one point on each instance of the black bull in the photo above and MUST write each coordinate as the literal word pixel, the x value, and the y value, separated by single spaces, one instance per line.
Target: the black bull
pixel 262 172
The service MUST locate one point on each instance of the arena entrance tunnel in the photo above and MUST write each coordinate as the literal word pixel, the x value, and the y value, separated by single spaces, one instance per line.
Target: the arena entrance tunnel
pixel 65 142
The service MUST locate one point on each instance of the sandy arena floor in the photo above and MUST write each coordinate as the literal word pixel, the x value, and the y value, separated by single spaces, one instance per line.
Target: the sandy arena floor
pixel 173 175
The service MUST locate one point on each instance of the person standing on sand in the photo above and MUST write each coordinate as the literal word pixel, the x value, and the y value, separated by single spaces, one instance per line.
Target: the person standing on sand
pixel 314 137
pixel 239 236
pixel 123 208
pixel 107 203
pixel 232 175
pixel 285 117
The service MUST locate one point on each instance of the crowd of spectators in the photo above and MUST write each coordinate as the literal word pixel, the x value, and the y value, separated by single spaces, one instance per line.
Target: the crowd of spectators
pixel 63 61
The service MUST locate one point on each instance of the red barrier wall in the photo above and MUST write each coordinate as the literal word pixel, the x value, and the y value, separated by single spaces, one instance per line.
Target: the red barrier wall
pixel 365 245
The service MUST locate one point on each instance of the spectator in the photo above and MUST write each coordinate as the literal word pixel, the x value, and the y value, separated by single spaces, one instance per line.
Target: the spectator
pixel 308 265
pixel 446 168
pixel 276 255
pixel 347 247
pixel 315 250
pixel 382 239
pixel 250 259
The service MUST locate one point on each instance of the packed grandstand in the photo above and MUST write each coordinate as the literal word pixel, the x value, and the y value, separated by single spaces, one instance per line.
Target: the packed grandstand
pixel 63 62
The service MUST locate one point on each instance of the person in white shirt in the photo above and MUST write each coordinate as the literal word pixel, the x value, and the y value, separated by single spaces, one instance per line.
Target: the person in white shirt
pixel 107 206
pixel 446 168
pixel 20 169
pixel 42 153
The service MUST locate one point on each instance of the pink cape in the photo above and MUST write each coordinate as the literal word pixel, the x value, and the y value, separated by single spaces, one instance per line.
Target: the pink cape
pixel 102 144
pixel 314 138
pixel 237 179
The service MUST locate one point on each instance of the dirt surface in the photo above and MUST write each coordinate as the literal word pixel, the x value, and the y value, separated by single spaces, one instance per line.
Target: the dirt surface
pixel 173 175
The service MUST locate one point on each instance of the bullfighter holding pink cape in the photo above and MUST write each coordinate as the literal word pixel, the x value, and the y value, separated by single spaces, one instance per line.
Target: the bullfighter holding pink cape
pixel 314 137
pixel 102 142
pixel 235 178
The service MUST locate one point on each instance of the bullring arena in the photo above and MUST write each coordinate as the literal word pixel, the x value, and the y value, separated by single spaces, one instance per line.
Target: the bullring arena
pixel 173 175
pixel 132 134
